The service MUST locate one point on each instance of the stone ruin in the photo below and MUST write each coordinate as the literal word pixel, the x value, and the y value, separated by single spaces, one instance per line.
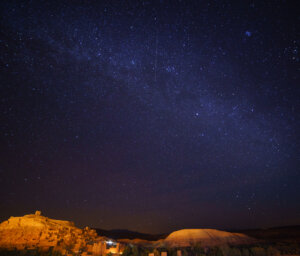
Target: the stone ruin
pixel 35 231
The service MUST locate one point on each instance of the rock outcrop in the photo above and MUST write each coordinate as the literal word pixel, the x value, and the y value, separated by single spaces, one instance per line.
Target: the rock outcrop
pixel 205 237
pixel 35 231
pixel 194 237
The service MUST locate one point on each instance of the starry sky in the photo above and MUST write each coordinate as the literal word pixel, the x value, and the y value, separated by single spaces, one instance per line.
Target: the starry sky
pixel 151 115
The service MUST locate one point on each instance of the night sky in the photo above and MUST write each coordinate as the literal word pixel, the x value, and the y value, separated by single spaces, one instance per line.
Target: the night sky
pixel 151 115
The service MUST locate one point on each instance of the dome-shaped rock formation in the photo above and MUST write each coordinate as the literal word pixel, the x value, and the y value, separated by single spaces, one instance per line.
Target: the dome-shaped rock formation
pixel 205 237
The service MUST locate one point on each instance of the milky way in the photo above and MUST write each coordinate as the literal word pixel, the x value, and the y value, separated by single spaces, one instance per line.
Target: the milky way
pixel 151 116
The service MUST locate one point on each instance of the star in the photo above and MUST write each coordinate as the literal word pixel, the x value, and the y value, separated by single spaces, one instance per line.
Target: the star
pixel 248 33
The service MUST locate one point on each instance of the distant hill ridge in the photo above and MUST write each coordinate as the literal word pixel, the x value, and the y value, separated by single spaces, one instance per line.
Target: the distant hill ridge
pixel 128 234
pixel 285 233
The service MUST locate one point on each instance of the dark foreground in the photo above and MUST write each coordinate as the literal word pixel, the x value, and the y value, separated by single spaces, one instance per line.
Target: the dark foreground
pixel 261 249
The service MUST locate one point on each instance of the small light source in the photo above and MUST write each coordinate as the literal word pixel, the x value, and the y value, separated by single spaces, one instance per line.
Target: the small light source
pixel 109 242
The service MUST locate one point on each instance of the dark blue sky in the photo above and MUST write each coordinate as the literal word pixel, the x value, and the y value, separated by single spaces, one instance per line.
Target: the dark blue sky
pixel 151 115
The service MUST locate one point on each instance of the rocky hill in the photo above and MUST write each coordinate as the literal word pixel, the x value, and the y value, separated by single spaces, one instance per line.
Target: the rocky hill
pixel 193 237
pixel 205 237
pixel 35 231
